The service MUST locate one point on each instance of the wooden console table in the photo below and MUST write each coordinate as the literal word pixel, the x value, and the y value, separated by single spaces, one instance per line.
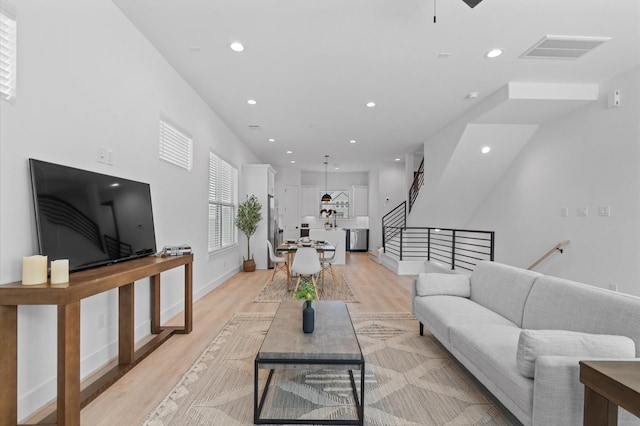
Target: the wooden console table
pixel 607 385
pixel 71 398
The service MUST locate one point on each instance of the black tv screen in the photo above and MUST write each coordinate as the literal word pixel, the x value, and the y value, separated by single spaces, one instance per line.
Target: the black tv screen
pixel 90 218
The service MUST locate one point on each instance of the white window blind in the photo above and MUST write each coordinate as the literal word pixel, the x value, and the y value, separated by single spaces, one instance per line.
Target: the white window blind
pixel 7 53
pixel 175 146
pixel 223 182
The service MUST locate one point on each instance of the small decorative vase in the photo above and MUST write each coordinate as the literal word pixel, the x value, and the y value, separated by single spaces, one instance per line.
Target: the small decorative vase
pixel 308 317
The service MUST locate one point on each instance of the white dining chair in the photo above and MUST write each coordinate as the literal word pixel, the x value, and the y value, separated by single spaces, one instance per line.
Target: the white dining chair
pixel 327 263
pixel 306 265
pixel 279 263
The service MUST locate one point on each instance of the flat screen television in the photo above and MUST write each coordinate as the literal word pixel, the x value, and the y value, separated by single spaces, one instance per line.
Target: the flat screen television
pixel 90 218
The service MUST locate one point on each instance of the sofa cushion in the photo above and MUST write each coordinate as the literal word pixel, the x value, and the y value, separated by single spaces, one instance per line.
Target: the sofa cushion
pixel 502 288
pixel 559 304
pixel 433 284
pixel 440 313
pixel 491 349
pixel 535 343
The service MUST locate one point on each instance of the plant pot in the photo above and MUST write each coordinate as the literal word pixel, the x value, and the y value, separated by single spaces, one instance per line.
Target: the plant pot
pixel 249 265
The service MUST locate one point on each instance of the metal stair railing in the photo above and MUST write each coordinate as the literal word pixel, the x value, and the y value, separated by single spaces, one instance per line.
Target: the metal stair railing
pixel 456 248
pixel 418 181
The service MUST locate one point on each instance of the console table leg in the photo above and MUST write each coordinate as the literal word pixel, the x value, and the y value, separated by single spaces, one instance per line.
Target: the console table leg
pixel 126 328
pixel 154 287
pixel 188 298
pixel 69 364
pixel 9 365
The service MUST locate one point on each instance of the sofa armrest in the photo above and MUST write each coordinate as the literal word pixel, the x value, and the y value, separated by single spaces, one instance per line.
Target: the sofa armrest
pixel 558 395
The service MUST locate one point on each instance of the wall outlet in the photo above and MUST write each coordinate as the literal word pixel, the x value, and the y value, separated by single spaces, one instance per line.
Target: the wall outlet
pixel 583 211
pixel 105 156
pixel 613 287
pixel 604 210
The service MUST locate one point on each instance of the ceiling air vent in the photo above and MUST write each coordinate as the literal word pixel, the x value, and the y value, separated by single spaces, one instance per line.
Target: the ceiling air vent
pixel 563 47
pixel 254 127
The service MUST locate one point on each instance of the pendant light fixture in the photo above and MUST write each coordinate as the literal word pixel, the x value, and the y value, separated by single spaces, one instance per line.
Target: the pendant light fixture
pixel 326 197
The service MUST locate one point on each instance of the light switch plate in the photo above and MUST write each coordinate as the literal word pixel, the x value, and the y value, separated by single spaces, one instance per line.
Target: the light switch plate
pixel 604 210
pixel 564 212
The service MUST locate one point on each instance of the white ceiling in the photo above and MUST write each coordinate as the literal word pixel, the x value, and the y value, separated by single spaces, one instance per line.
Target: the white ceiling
pixel 311 65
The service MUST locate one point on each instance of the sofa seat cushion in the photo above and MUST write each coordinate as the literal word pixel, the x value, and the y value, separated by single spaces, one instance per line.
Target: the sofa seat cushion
pixel 535 343
pixel 492 350
pixel 434 284
pixel 440 313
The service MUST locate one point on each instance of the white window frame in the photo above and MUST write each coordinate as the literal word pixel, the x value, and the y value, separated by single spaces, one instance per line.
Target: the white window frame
pixel 223 203
pixel 8 52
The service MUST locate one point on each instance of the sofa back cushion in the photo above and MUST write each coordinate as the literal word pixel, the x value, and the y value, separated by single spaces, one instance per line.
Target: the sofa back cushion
pixel 556 303
pixel 502 288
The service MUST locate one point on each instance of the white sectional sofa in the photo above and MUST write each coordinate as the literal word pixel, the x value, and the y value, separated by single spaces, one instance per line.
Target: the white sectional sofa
pixel 521 334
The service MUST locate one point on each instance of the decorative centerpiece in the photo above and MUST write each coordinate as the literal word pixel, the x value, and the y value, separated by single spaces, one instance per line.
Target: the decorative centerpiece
pixel 327 213
pixel 308 293
pixel 249 215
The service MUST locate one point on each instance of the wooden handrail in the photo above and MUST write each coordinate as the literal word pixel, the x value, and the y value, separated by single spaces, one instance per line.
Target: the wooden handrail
pixel 550 252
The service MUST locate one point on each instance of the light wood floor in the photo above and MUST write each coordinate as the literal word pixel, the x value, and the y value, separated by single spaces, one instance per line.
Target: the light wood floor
pixel 135 395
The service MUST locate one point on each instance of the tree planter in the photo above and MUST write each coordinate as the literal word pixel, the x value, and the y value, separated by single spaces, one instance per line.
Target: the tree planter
pixel 249 265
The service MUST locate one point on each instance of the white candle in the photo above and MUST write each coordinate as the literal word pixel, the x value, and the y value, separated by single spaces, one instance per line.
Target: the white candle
pixel 34 270
pixel 59 271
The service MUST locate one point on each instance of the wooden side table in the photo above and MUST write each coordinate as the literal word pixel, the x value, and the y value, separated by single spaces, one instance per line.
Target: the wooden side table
pixel 71 398
pixel 607 385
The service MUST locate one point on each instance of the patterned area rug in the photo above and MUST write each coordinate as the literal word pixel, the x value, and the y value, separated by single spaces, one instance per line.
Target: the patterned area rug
pixel 276 291
pixel 409 380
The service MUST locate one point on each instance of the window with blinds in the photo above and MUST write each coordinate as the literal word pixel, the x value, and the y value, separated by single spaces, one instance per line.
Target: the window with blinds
pixel 7 53
pixel 223 183
pixel 175 147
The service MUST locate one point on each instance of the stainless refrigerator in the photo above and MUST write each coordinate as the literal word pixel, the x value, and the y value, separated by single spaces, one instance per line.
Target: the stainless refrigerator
pixel 273 231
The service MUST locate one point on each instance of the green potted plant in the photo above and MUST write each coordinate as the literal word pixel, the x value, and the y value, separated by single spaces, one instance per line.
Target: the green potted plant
pixel 249 215
pixel 306 291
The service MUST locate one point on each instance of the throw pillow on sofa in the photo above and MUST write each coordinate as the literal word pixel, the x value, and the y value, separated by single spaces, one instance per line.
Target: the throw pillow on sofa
pixel 435 284
pixel 535 343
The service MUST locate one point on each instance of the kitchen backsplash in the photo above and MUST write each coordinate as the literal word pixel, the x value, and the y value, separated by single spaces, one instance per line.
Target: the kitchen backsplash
pixel 351 223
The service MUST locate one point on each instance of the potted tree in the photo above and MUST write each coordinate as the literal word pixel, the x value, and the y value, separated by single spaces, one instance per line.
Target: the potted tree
pixel 249 215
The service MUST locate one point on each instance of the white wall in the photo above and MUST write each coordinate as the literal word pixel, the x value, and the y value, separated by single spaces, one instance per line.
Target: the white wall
pixel 87 78
pixel 589 158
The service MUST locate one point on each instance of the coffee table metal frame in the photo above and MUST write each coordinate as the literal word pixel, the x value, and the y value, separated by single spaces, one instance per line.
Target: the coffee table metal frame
pixel 258 405
pixel 277 356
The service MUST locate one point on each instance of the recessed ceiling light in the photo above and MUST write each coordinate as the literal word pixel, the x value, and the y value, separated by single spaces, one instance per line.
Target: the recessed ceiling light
pixel 289 152
pixel 371 104
pixel 272 140
pixel 352 141
pixel 493 53
pixel 485 149
pixel 236 46
pixel 472 95
pixel 292 161
pixel 251 101
pixel 397 159
pixel 336 168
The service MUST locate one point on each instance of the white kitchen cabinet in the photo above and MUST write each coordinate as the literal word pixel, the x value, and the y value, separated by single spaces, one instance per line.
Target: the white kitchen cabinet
pixel 360 202
pixel 309 200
